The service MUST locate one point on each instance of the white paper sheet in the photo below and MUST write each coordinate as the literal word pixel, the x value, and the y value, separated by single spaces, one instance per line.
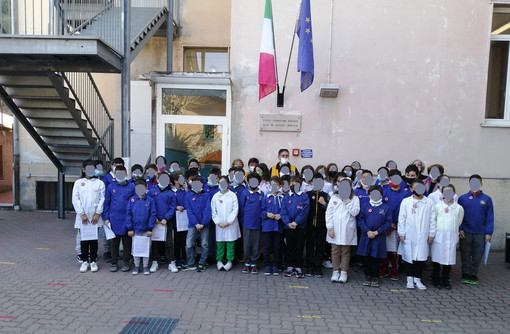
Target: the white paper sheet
pixel 88 232
pixel 181 219
pixel 486 252
pixel 159 233
pixel 141 246
pixel 108 232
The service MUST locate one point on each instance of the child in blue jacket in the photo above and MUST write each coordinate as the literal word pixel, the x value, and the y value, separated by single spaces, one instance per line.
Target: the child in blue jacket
pixel 114 215
pixel 166 204
pixel 251 206
pixel 179 192
pixel 374 220
pixel 198 207
pixel 140 220
pixel 295 208
pixel 272 228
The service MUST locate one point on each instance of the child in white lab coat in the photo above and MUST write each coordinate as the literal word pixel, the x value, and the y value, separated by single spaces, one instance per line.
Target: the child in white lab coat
pixel 224 207
pixel 449 215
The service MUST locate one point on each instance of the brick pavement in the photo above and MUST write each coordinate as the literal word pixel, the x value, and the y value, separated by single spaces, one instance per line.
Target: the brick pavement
pixel 43 292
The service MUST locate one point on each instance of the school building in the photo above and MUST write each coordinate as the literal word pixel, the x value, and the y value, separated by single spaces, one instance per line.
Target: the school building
pixel 393 79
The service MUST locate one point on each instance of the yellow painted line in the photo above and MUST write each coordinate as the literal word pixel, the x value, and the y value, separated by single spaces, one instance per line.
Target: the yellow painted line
pixel 309 316
pixel 42 248
pixel 7 263
pixel 393 290
pixel 299 287
pixel 429 320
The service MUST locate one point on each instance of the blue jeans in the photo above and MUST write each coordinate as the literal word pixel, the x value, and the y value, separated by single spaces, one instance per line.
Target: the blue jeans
pixel 190 245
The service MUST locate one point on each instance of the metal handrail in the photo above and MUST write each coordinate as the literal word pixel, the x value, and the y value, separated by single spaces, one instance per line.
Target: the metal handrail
pixel 92 107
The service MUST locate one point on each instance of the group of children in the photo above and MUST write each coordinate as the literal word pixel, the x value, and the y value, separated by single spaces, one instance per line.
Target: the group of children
pixel 297 222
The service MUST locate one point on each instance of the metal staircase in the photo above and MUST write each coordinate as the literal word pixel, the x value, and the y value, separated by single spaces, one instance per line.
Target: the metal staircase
pixel 45 70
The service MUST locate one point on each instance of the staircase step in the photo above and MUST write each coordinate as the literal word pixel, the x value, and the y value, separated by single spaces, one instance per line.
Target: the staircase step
pixel 53 132
pixel 47 113
pixel 70 148
pixel 54 123
pixel 64 141
pixel 26 80
pixel 73 156
pixel 41 104
pixel 29 92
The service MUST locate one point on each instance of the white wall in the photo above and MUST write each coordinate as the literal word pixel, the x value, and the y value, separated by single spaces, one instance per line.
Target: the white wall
pixel 141 122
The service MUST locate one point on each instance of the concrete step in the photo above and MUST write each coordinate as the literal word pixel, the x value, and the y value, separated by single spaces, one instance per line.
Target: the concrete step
pixel 65 141
pixel 72 156
pixel 47 113
pixel 30 92
pixel 40 104
pixel 62 148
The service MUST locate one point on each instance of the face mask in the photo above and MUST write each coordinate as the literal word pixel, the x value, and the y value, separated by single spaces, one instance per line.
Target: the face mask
pixel 416 194
pixel 284 161
pixel 408 180
pixel 122 180
pixel 335 188
pixel 161 187
pixel 331 173
pixel 364 185
pixel 211 184
pixel 222 189
pixel 237 182
pixel 376 203
pixel 98 173
pixel 135 176
pixel 381 179
pixel 252 168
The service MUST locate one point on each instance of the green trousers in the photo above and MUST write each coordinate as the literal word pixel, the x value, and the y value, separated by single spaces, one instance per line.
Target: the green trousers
pixel 220 252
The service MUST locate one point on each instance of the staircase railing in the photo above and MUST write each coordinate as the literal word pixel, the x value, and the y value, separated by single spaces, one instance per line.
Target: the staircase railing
pixel 93 108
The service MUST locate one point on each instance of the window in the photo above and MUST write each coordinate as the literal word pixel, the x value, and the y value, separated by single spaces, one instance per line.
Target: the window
pixel 497 109
pixel 5 17
pixel 206 60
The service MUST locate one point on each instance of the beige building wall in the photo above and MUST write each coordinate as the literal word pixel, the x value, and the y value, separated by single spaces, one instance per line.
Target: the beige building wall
pixel 412 79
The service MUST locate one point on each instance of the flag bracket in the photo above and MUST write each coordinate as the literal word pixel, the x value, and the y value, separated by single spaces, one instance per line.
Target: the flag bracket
pixel 280 97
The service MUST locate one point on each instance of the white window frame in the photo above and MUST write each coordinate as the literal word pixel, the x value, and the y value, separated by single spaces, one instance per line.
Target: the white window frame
pixel 224 121
pixel 505 121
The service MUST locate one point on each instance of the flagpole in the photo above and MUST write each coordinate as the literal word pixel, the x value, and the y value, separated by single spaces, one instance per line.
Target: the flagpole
pixel 292 45
pixel 274 43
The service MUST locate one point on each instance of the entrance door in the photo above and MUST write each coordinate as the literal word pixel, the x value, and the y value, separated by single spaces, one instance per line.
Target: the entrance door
pixel 194 122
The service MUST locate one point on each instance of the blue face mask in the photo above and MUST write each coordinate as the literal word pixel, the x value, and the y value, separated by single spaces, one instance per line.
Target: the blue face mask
pixel 381 179
pixel 98 173
pixel 122 180
pixel 223 189
pixel 210 184
pixel 161 187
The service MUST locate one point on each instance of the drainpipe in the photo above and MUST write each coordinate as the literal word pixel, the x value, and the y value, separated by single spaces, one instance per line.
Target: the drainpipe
pixel 169 36
pixel 126 81
pixel 15 163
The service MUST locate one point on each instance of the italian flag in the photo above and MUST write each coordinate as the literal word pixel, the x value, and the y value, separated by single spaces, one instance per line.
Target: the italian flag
pixel 267 72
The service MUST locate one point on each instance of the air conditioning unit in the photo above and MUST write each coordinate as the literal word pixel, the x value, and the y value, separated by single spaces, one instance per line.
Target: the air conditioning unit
pixel 329 90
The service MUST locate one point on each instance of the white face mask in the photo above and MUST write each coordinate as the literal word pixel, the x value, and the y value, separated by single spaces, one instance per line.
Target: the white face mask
pixel 283 161
pixel 252 169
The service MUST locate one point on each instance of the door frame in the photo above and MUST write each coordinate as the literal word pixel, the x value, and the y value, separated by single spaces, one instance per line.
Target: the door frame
pixel 200 83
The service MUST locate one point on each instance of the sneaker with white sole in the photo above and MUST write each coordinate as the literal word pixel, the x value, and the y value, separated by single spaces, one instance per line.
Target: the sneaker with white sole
pixel 78 258
pixel 154 267
pixel 94 267
pixel 135 271
pixel 219 265
pixel 343 277
pixel 146 271
pixel 419 284
pixel 328 265
pixel 84 267
pixel 172 267
pixel 228 266
pixel 335 276
pixel 410 282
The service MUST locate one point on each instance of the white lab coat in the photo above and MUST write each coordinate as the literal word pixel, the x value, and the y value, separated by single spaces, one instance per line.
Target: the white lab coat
pixel 448 218
pixel 328 188
pixel 265 187
pixel 437 197
pixel 416 222
pixel 341 218
pixel 224 210
pixel 88 199
pixel 306 187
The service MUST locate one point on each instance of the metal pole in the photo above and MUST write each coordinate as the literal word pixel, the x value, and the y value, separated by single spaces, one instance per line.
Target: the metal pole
pixel 60 195
pixel 125 81
pixel 51 23
pixel 15 163
pixel 169 36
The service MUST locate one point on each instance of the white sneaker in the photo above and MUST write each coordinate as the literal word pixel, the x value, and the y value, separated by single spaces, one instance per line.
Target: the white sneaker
pixel 94 267
pixel 419 284
pixel 228 266
pixel 335 277
pixel 172 267
pixel 410 282
pixel 343 277
pixel 219 265
pixel 84 267
pixel 154 267
pixel 327 264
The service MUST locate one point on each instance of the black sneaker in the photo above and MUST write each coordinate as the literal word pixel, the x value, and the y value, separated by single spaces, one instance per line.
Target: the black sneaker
pixel 367 281
pixel 473 280
pixel 200 268
pixel 465 278
pixel 254 269
pixel 113 267
pixel 125 267
pixel 246 269
pixel 318 273
pixel 107 257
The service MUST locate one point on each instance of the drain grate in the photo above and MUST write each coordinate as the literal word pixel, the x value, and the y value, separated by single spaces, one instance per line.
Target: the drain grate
pixel 139 325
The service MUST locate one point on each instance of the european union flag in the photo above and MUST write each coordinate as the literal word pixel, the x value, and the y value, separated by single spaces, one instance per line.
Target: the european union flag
pixel 305 50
